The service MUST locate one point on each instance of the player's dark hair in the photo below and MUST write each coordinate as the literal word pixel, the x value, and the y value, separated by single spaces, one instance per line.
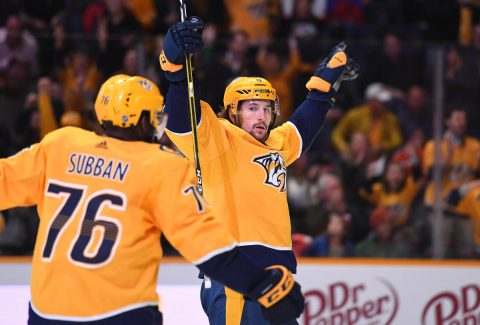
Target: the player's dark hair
pixel 225 112
pixel 454 107
pixel 132 133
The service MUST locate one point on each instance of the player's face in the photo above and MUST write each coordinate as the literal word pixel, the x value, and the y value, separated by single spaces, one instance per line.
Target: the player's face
pixel 255 117
pixel 395 176
pixel 457 122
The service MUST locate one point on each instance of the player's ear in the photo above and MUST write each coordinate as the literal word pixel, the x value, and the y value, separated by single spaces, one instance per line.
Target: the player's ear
pixel 230 115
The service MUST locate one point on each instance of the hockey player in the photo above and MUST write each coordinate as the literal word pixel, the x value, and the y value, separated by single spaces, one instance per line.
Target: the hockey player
pixel 104 202
pixel 244 161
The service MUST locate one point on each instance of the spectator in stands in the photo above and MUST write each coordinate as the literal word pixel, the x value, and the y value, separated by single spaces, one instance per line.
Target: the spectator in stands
pixel 13 98
pixel 281 71
pixel 37 14
pixel 343 16
pixel 26 129
pixel 303 19
pixel 54 52
pixel 15 41
pixel 130 63
pixel 353 168
pixel 372 118
pixel 50 105
pixel 409 156
pixel 210 45
pixel 460 164
pixel 117 31
pixel 145 12
pixel 459 154
pixel 395 190
pixel 168 14
pixel 80 80
pixel 251 18
pixel 298 194
pixel 322 148
pixel 392 66
pixel 236 61
pixel 414 111
pixel 329 197
pixel 300 243
pixel 462 77
pixel 383 242
pixel 335 241
pixel 382 15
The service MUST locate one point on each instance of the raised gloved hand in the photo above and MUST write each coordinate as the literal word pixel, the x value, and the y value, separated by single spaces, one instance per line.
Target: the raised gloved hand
pixel 334 69
pixel 279 295
pixel 183 38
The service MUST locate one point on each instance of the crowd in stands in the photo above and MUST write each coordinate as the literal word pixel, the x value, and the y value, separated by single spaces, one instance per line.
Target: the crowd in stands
pixel 366 186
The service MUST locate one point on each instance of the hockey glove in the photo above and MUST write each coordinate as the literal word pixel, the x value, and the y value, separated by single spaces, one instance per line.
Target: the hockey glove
pixel 279 295
pixel 454 197
pixel 336 68
pixel 183 38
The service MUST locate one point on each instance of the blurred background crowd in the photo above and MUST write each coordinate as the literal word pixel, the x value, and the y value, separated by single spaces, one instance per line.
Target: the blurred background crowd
pixel 366 187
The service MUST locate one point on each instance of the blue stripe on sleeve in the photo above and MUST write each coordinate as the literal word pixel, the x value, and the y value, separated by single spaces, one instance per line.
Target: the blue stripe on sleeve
pixel 234 269
pixel 309 118
pixel 176 106
pixel 265 256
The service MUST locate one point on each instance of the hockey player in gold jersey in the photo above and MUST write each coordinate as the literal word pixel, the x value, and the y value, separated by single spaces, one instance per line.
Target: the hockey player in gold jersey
pixel 105 200
pixel 244 160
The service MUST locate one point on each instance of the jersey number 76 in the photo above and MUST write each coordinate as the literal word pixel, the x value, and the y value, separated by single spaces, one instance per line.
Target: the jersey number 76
pixel 84 251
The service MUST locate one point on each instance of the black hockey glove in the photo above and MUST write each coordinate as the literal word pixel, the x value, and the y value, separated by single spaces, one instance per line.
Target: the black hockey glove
pixel 454 197
pixel 334 69
pixel 279 295
pixel 182 38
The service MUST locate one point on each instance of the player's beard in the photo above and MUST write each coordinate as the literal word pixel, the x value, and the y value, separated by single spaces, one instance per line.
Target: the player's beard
pixel 258 134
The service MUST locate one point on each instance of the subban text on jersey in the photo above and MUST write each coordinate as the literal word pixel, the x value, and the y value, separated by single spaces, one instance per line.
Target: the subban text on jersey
pixel 97 166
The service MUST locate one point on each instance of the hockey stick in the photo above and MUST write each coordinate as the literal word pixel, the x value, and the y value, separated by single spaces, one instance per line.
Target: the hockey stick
pixel 192 106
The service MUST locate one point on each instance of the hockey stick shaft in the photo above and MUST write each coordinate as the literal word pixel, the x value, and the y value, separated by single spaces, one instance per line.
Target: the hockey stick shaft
pixel 192 106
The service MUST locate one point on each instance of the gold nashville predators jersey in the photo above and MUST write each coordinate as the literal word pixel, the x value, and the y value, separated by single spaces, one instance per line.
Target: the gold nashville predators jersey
pixel 462 163
pixel 398 203
pixel 245 182
pixel 103 204
pixel 470 206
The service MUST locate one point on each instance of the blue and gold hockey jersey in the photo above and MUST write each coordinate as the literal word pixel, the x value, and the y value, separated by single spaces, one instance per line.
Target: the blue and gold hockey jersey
pixel 244 179
pixel 103 205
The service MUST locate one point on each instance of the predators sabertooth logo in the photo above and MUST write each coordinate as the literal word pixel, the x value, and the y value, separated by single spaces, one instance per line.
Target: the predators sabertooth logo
pixel 275 168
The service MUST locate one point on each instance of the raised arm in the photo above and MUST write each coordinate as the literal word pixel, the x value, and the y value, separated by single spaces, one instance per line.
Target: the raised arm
pixel 181 39
pixel 323 86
